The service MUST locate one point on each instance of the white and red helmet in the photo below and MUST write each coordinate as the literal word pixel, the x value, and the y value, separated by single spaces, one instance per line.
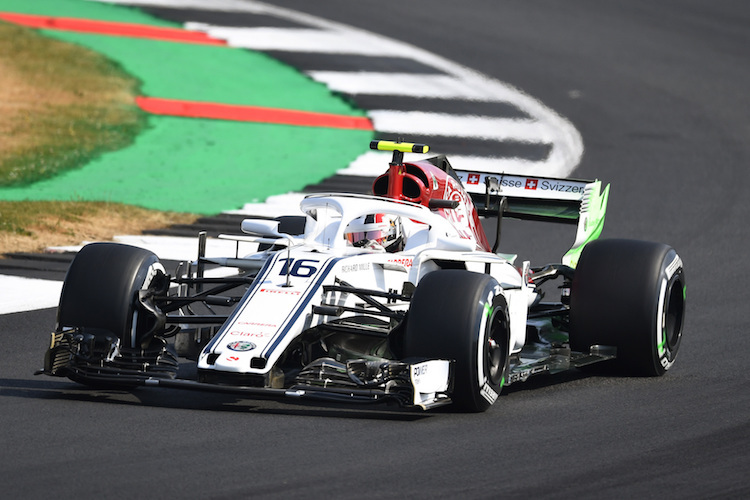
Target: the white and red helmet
pixel 376 230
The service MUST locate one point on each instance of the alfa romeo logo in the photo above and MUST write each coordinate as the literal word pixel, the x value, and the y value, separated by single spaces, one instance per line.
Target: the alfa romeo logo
pixel 241 345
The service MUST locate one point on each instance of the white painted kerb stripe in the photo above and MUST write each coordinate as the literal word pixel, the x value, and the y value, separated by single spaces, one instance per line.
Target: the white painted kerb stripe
pixel 374 163
pixel 274 206
pixel 306 40
pixel 402 84
pixel 25 294
pixel 226 5
pixel 179 248
pixel 479 127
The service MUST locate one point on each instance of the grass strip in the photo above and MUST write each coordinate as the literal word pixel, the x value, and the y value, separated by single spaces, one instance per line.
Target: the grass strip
pixel 62 105
pixel 33 225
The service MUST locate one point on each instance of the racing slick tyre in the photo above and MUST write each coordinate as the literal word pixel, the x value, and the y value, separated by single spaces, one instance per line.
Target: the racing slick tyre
pixel 106 296
pixel 462 316
pixel 631 295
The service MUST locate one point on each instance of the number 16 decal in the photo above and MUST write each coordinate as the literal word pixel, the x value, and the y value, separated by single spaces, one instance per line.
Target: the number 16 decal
pixel 299 268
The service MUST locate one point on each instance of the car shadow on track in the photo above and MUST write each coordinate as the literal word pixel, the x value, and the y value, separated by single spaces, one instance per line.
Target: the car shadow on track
pixel 545 381
pixel 168 398
pixel 65 390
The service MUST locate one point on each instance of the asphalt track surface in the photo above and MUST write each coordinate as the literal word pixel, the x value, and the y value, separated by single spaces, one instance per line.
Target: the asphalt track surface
pixel 658 92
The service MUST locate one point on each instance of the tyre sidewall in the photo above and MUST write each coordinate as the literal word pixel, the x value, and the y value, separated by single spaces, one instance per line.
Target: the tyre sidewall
pixel 668 335
pixel 451 317
pixel 101 286
pixel 621 294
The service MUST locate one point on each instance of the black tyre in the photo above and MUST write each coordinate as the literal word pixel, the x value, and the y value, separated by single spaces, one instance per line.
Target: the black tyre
pixel 631 295
pixel 461 315
pixel 100 293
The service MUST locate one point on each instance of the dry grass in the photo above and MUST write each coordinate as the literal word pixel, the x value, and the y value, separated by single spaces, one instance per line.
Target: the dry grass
pixel 38 224
pixel 60 106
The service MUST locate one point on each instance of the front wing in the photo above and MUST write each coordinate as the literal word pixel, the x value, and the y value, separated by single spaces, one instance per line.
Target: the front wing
pixel 429 384
pixel 417 383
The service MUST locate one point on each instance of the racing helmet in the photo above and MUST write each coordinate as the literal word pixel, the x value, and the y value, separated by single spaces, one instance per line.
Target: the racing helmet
pixel 376 231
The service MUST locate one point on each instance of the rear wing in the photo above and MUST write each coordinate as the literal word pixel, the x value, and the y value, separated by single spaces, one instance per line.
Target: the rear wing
pixel 549 199
pixel 500 195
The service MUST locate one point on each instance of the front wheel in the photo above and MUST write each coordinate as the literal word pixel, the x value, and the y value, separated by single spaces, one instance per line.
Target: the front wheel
pixel 100 292
pixel 108 328
pixel 631 295
pixel 462 316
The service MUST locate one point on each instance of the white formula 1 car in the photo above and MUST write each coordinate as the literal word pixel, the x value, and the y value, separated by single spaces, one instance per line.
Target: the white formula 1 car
pixel 397 296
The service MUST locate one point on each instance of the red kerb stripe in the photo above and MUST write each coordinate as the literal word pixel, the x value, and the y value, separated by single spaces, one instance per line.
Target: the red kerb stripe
pixel 192 109
pixel 110 28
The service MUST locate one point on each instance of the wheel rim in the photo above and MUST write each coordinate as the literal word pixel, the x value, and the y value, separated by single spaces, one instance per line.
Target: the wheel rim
pixel 495 351
pixel 675 307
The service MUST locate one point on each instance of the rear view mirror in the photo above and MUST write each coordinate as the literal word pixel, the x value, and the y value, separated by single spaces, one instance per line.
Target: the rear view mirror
pixel 262 227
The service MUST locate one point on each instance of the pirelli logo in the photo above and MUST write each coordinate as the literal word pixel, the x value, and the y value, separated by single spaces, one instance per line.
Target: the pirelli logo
pixel 489 393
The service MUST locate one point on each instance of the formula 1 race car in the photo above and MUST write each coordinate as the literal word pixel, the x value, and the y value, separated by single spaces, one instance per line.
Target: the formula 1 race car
pixel 398 296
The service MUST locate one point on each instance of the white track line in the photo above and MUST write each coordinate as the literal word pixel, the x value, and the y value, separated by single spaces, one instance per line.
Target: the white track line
pixel 374 163
pixel 295 39
pixel 400 84
pixel 223 5
pixel 177 248
pixel 274 206
pixel 25 294
pixel 480 127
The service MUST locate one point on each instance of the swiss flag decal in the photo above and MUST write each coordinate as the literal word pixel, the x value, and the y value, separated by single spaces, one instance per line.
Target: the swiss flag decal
pixel 473 179
pixel 531 183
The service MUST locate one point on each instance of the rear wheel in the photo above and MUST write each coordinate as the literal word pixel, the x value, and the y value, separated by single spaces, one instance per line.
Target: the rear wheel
pixel 462 316
pixel 629 294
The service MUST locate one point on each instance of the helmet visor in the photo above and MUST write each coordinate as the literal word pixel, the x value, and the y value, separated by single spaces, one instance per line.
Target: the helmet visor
pixel 359 238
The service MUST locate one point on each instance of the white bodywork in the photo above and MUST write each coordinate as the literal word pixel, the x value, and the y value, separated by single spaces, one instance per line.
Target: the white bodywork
pixel 278 306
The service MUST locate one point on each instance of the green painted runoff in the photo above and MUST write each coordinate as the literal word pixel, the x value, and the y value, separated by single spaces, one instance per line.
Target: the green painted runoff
pixel 198 165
